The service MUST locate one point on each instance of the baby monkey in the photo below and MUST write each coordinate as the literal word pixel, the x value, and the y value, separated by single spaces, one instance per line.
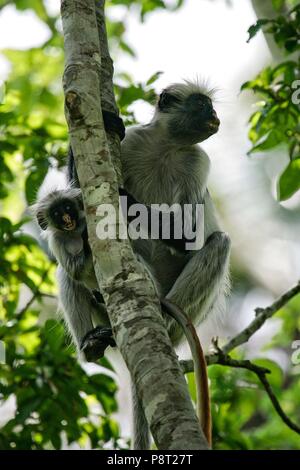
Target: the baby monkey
pixel 61 217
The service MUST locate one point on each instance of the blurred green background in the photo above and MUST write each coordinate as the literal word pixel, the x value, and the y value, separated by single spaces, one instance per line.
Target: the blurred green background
pixel 47 399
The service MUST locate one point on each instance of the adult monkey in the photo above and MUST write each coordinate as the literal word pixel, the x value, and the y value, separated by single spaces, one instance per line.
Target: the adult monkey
pixel 162 164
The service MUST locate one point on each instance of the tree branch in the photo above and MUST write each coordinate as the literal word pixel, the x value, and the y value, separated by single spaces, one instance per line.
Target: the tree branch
pixel 225 360
pixel 108 101
pixel 35 295
pixel 276 404
pixel 129 294
pixel 222 358
pixel 262 314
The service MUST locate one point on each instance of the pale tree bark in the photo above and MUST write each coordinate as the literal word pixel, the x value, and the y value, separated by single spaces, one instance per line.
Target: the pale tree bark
pixel 133 307
pixel 108 101
pixel 264 9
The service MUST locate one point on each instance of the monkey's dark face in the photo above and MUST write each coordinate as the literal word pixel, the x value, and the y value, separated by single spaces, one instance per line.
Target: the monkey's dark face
pixel 192 119
pixel 64 215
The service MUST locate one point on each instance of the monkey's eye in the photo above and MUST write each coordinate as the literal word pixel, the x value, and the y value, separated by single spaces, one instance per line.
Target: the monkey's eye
pixel 204 102
pixel 68 208
pixel 56 214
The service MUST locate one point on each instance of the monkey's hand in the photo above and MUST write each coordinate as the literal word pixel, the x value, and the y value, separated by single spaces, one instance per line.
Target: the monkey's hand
pixel 95 342
pixel 113 123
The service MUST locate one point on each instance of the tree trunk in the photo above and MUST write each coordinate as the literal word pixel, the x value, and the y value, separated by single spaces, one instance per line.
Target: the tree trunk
pixel 129 294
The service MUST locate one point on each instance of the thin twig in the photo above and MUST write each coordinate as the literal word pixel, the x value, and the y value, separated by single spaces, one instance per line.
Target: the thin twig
pixel 276 404
pixel 224 360
pixel 49 296
pixel 262 314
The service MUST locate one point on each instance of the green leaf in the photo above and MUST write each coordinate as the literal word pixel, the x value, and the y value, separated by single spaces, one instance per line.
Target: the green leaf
pixel 153 78
pixel 246 86
pixel 56 441
pixel 273 139
pixel 27 408
pixel 289 181
pixel 254 29
pixel 292 44
pixel 126 48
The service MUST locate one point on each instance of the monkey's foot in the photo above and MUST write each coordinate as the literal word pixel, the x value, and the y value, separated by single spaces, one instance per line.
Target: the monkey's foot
pixel 95 342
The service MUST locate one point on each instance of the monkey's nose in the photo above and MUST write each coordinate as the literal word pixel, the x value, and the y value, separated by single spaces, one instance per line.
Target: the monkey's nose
pixel 215 117
pixel 66 218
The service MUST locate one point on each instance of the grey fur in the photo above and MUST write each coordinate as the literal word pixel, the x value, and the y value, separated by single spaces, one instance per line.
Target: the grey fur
pixel 160 168
pixel 161 164
pixel 157 169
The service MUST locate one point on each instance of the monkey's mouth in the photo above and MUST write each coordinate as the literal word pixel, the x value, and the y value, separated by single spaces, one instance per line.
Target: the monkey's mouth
pixel 70 224
pixel 214 125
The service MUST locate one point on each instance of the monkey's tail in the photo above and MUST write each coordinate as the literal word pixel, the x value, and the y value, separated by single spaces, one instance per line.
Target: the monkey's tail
pixel 200 367
pixel 141 433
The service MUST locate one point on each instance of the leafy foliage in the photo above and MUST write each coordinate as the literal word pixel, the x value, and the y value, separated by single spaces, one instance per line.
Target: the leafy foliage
pixel 277 119
pixel 243 417
pixel 56 402
pixel 148 6
pixel 128 92
pixel 285 29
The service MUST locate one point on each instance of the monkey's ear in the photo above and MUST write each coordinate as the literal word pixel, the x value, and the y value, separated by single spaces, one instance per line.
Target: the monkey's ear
pixel 166 100
pixel 42 221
